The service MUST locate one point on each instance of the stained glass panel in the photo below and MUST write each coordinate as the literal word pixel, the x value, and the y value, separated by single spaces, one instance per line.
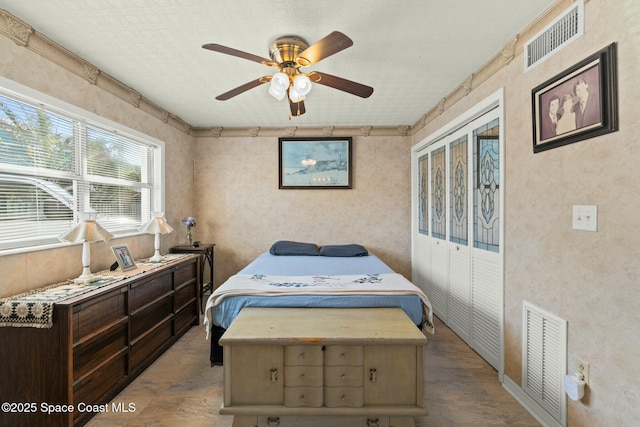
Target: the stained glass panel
pixel 423 191
pixel 486 196
pixel 438 194
pixel 459 217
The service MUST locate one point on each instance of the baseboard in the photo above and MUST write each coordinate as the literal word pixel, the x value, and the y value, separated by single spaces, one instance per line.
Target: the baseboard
pixel 529 404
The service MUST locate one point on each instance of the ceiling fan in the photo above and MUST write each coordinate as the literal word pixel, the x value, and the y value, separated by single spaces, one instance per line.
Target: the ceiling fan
pixel 288 54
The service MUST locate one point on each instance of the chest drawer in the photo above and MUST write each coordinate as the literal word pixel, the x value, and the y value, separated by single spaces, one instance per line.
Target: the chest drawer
pixel 343 397
pixel 296 376
pixel 343 376
pixel 310 397
pixel 303 355
pixel 341 355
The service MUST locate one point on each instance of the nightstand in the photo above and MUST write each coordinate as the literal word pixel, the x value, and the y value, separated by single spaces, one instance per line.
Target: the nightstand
pixel 205 250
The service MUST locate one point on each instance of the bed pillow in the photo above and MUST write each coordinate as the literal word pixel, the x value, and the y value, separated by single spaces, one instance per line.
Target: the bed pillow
pixel 343 250
pixel 286 247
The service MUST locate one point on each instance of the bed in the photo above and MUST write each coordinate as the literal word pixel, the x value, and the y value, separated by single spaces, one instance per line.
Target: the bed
pixel 295 274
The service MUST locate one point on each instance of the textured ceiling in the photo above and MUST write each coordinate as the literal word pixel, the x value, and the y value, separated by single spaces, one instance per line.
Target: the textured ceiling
pixel 412 52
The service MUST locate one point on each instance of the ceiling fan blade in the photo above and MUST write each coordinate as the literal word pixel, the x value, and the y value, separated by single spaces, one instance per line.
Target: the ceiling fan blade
pixel 331 44
pixel 297 108
pixel 243 88
pixel 339 83
pixel 240 54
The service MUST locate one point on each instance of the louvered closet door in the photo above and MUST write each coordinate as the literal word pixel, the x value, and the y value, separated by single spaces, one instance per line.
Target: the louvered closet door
pixel 486 260
pixel 439 250
pixel 457 230
pixel 459 302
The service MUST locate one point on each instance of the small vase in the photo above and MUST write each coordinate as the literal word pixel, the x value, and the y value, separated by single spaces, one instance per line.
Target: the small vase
pixel 189 237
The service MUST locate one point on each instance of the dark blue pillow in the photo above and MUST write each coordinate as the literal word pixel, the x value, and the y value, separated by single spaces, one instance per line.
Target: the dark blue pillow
pixel 343 250
pixel 286 247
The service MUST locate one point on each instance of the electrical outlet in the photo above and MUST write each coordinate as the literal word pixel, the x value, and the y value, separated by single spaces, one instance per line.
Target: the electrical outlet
pixel 583 368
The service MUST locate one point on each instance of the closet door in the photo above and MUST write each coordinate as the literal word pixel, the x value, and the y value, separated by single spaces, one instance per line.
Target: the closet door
pixel 457 237
pixel 439 251
pixel 487 275
pixel 459 301
pixel 421 243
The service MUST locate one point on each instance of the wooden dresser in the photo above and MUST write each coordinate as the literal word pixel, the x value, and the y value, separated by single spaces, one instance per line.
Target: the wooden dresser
pixel 99 342
pixel 339 367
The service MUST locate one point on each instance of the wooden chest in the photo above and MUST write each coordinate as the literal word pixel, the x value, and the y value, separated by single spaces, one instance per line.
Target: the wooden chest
pixel 302 365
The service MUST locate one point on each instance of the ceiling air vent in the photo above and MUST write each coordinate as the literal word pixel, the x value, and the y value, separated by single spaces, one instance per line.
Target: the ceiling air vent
pixel 562 31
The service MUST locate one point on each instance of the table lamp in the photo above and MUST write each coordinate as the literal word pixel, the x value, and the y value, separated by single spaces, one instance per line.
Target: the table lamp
pixel 86 231
pixel 156 225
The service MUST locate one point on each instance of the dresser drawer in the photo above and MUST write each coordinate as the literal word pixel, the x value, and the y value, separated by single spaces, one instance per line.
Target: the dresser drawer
pixel 327 420
pixel 92 388
pixel 149 316
pixel 144 292
pixel 184 295
pixel 185 317
pixel 184 274
pixel 310 397
pixel 148 344
pixel 303 355
pixel 92 315
pixel 297 376
pixel 343 376
pixel 343 397
pixel 340 355
pixel 90 353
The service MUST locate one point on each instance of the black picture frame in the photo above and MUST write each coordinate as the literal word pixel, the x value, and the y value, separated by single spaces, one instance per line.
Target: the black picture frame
pixel 315 163
pixel 597 74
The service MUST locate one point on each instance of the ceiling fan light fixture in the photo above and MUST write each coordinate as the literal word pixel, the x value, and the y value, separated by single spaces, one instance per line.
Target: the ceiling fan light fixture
pixel 294 95
pixel 279 85
pixel 302 84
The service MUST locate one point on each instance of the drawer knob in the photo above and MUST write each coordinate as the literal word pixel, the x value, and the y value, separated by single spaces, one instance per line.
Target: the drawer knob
pixel 301 376
pixel 274 375
pixel 373 422
pixel 344 397
pixel 344 376
pixel 301 356
pixel 273 421
pixel 373 375
pixel 344 356
pixel 302 397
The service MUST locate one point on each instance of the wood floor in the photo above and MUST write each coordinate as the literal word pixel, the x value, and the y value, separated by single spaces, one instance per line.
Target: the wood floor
pixel 181 389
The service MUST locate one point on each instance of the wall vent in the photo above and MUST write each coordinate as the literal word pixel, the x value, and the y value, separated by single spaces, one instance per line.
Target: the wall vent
pixel 544 353
pixel 562 31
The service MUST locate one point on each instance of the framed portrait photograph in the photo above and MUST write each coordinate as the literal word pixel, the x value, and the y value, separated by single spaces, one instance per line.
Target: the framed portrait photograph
pixel 577 104
pixel 314 163
pixel 124 258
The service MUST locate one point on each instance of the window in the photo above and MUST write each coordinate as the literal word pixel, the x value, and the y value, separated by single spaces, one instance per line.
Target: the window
pixel 55 164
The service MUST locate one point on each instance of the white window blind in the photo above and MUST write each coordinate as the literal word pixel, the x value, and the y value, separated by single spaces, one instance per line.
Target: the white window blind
pixel 54 166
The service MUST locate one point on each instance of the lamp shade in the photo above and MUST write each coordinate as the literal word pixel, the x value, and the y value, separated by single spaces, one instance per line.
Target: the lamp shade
pixel 86 231
pixel 302 84
pixel 279 85
pixel 156 225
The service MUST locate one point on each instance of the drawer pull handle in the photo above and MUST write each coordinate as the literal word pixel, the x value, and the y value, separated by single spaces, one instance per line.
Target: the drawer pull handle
pixel 301 376
pixel 301 356
pixel 344 356
pixel 302 397
pixel 373 421
pixel 273 421
pixel 344 397
pixel 373 375
pixel 274 375
pixel 344 376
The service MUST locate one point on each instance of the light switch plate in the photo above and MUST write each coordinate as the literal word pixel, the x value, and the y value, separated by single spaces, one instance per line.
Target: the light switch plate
pixel 585 217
